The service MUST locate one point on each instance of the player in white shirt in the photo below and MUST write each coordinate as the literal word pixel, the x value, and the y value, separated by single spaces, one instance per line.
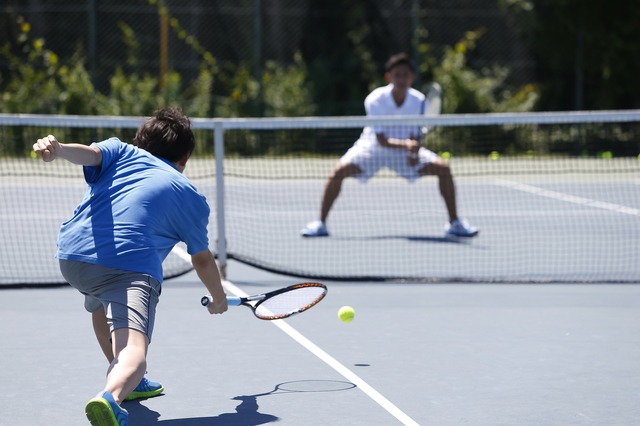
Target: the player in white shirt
pixel 395 147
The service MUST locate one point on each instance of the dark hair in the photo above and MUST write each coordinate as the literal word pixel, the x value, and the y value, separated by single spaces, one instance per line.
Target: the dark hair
pixel 399 59
pixel 167 135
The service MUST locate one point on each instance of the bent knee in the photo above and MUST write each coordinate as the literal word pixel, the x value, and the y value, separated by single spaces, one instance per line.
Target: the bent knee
pixel 438 168
pixel 343 170
pixel 443 168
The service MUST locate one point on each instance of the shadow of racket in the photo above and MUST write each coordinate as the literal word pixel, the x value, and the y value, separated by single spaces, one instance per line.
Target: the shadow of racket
pixel 299 386
pixel 249 403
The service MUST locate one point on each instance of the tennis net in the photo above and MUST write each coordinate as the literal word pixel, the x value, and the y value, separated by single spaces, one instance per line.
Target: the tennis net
pixel 556 197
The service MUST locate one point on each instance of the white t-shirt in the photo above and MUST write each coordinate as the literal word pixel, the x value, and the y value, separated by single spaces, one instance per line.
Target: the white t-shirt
pixel 380 102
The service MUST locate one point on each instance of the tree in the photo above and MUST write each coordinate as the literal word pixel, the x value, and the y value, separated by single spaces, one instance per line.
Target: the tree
pixel 592 42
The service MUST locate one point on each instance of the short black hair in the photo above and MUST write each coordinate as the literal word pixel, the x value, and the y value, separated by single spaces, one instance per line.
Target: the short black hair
pixel 399 59
pixel 167 135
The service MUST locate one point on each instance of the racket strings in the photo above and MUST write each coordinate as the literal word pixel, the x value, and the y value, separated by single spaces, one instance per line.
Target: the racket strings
pixel 290 302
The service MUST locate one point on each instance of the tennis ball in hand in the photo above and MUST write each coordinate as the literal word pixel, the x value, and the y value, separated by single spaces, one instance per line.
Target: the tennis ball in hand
pixel 346 314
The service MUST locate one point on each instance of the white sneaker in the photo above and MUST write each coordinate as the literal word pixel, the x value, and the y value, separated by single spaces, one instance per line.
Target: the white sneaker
pixel 460 228
pixel 317 228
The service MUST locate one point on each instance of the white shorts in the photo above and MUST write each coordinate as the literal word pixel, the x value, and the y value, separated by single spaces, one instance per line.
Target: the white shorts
pixel 372 159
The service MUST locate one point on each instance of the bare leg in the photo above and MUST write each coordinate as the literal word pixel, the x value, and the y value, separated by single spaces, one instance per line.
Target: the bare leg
pixel 129 364
pixel 333 186
pixel 101 328
pixel 447 187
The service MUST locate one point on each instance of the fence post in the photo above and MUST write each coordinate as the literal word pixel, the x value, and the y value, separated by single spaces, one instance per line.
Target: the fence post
pixel 415 27
pixel 218 143
pixel 93 43
pixel 258 42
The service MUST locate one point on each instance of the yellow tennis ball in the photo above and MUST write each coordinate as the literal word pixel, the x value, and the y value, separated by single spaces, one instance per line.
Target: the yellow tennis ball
pixel 346 314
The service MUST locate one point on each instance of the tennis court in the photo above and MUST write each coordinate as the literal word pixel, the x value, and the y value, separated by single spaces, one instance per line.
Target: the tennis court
pixel 552 226
pixel 443 354
pixel 572 221
pixel 535 321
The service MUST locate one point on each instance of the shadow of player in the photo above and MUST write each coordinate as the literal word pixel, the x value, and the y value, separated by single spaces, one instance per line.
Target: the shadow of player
pixel 246 413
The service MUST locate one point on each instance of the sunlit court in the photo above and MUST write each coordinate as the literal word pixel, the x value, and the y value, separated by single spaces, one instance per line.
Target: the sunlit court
pixel 319 213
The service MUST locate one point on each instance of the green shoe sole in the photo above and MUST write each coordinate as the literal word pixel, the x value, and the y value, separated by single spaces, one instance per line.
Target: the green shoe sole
pixel 138 395
pixel 99 413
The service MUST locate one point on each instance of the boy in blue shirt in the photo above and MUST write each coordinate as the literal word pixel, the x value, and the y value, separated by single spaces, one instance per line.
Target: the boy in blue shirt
pixel 137 206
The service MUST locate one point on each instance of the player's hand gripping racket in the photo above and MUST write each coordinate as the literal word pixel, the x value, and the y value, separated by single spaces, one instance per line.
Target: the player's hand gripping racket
pixel 280 303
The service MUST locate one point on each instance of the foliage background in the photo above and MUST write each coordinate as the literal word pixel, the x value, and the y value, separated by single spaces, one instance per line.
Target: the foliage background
pixel 241 58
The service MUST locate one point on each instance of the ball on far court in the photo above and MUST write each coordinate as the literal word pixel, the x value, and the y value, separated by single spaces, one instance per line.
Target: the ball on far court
pixel 346 314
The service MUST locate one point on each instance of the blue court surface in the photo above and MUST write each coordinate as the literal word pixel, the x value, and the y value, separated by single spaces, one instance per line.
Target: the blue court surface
pixel 416 353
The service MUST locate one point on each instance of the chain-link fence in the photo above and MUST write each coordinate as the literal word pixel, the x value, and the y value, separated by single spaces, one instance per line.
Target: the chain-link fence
pixel 160 38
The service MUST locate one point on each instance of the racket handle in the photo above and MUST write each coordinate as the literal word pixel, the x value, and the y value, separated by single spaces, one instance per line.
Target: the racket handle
pixel 231 301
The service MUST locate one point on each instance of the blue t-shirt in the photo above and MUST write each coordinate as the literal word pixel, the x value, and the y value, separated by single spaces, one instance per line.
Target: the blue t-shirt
pixel 136 208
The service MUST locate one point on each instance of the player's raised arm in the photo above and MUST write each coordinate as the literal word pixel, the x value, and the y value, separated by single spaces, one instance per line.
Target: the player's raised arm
pixel 49 149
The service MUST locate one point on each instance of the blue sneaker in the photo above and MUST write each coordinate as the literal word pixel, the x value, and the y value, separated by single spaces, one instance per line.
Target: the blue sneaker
pixel 317 228
pixel 104 411
pixel 460 228
pixel 145 389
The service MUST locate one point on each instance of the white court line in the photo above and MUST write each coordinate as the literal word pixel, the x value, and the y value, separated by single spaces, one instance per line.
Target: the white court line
pixel 566 197
pixel 314 349
pixel 333 363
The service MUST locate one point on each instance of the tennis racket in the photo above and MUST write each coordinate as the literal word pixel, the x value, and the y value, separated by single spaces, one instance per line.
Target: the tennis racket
pixel 280 303
pixel 434 104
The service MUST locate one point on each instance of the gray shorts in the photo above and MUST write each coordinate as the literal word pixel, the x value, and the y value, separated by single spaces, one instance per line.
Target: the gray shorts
pixel 129 298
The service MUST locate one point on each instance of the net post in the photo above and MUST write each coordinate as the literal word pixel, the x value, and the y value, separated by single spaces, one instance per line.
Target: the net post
pixel 218 143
